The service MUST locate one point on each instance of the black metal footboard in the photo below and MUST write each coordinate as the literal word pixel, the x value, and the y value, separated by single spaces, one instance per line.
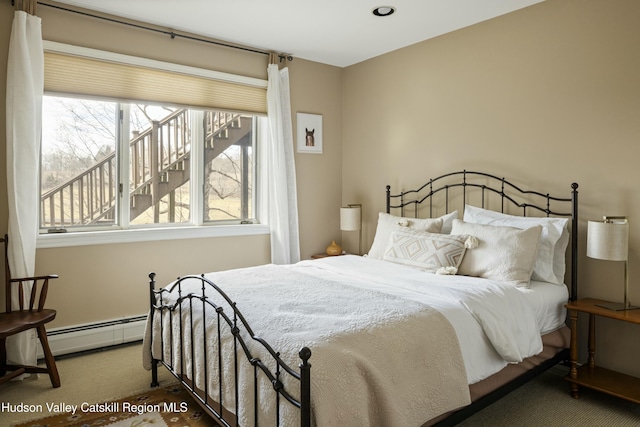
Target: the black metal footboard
pixel 193 307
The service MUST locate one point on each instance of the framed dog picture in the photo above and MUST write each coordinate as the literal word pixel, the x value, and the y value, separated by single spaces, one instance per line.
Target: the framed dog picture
pixel 309 133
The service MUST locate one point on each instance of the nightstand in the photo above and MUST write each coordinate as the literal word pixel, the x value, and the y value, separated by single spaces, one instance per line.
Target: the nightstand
pixel 589 375
pixel 323 255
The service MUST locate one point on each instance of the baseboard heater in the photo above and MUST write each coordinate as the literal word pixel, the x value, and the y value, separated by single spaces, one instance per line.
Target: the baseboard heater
pixel 92 336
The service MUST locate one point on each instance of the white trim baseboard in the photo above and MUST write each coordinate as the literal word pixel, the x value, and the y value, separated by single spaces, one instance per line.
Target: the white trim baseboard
pixel 92 336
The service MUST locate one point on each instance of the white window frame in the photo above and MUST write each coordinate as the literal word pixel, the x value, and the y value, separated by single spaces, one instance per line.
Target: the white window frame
pixel 117 234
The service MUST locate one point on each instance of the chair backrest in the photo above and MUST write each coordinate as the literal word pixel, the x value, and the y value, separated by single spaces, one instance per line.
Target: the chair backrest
pixel 37 287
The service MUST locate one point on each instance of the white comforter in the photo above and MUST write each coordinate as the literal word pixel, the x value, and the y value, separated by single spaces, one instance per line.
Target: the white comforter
pixel 495 322
pixel 382 349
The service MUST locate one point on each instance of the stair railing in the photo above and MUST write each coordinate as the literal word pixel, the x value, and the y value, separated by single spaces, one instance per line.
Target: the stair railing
pixel 89 197
pixel 82 199
pixel 158 148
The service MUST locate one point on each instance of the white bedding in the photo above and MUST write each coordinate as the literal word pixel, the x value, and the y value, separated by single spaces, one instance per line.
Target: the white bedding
pixel 547 301
pixel 491 331
pixel 544 301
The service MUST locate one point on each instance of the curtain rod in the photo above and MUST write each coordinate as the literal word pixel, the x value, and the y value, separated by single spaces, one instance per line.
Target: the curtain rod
pixel 172 34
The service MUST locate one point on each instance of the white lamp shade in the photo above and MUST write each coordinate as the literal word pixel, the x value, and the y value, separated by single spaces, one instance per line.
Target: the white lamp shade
pixel 608 240
pixel 350 218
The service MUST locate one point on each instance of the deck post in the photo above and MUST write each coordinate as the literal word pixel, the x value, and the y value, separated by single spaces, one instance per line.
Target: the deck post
pixel 155 166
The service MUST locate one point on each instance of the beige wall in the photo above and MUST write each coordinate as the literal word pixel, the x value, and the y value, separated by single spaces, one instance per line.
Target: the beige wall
pixel 317 89
pixel 103 282
pixel 546 96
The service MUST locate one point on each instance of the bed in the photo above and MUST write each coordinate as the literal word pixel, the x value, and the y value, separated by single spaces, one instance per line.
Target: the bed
pixel 457 302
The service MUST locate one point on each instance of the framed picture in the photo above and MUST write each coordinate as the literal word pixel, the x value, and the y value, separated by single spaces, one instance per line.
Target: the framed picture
pixel 309 133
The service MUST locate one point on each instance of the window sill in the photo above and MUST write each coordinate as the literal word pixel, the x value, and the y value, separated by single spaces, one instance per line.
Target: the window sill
pixel 87 238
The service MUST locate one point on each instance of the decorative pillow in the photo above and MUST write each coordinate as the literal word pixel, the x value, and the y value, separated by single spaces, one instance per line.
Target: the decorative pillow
pixel 433 252
pixel 387 223
pixel 554 238
pixel 503 253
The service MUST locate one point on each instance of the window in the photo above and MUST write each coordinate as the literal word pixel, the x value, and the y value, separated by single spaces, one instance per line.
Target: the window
pixel 106 164
pixel 133 143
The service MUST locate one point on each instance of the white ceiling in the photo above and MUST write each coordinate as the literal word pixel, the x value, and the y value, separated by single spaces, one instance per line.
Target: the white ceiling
pixel 334 32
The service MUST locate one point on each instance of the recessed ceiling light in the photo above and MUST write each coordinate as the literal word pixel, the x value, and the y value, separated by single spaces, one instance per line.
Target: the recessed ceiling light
pixel 384 10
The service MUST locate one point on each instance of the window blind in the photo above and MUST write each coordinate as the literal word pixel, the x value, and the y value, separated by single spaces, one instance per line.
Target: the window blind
pixel 147 81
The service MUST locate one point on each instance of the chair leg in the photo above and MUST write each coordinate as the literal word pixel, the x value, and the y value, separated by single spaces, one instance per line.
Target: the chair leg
pixel 4 376
pixel 12 375
pixel 48 357
pixel 3 357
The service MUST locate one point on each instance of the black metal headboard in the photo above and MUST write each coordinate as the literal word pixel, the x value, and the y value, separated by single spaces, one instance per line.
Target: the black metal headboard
pixel 459 186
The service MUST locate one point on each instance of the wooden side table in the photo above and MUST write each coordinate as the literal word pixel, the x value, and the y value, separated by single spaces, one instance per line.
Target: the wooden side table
pixel 323 255
pixel 589 375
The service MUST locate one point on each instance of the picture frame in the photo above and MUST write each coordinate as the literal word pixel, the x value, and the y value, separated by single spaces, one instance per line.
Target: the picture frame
pixel 309 135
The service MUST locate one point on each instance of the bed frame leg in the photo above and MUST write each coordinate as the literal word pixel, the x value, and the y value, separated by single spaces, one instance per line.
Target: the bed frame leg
pixel 154 374
pixel 305 387
pixel 154 362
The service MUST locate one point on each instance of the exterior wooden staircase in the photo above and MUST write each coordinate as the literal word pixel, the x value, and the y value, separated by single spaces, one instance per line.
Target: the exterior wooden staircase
pixel 159 164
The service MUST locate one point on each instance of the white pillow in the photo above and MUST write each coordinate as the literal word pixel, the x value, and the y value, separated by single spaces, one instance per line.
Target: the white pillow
pixel 387 223
pixel 506 254
pixel 447 221
pixel 554 238
pixel 432 252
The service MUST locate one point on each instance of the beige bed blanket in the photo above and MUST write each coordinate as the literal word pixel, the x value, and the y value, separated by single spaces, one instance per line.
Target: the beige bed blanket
pixel 377 359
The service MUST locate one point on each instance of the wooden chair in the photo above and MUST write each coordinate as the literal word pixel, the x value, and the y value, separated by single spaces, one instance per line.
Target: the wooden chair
pixel 33 316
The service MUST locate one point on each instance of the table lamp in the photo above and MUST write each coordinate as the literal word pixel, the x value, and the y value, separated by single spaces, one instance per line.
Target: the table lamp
pixel 609 240
pixel 351 220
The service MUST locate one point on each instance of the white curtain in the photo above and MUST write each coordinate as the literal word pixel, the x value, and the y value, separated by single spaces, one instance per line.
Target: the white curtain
pixel 25 69
pixel 278 197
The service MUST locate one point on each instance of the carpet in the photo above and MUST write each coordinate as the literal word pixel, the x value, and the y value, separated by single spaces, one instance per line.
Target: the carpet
pixel 169 406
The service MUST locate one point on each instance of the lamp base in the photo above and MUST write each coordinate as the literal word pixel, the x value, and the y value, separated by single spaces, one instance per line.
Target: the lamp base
pixel 617 306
